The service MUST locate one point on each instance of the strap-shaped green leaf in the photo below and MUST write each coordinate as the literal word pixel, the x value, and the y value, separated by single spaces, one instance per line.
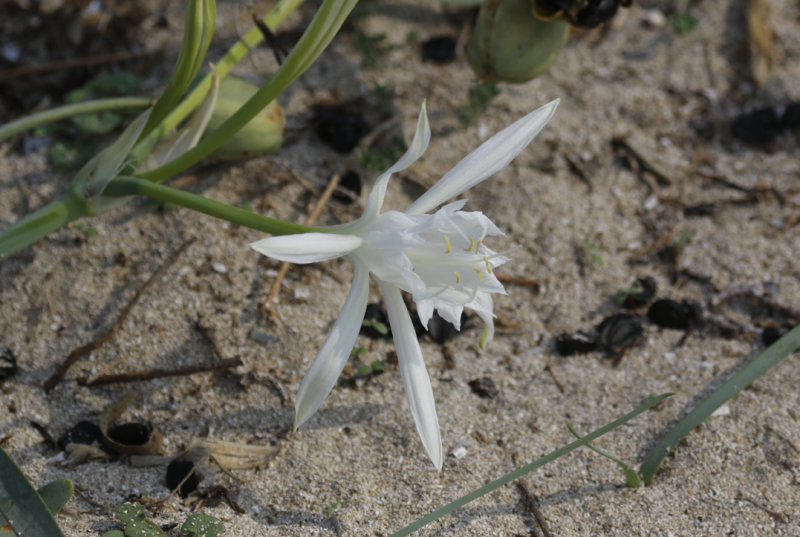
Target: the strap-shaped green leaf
pixel 23 512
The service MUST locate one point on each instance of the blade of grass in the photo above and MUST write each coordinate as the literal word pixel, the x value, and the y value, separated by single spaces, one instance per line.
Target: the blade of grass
pixel 21 507
pixel 740 380
pixel 519 472
pixel 631 475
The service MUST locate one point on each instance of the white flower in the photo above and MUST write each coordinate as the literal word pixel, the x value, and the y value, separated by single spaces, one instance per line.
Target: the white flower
pixel 439 258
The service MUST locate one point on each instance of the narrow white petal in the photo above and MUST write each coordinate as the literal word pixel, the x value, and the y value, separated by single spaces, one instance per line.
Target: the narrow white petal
pixel 307 247
pixel 483 306
pixel 415 376
pixel 422 137
pixel 491 157
pixel 333 355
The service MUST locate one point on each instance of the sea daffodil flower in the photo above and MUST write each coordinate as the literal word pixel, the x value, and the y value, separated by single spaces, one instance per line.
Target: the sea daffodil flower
pixel 439 258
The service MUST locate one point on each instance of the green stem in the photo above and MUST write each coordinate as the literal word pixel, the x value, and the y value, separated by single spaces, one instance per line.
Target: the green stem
pixel 70 110
pixel 234 55
pixel 35 226
pixel 322 29
pixel 130 186
pixel 776 352
pixel 519 472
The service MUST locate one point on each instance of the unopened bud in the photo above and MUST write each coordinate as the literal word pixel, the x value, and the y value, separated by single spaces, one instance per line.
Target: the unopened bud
pixel 262 134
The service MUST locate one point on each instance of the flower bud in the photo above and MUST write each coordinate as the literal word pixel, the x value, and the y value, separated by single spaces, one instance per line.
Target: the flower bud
pixel 262 134
pixel 510 44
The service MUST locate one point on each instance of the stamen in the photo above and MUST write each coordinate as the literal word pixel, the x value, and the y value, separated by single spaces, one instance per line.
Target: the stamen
pixel 477 246
pixel 458 276
pixel 488 266
pixel 471 244
pixel 480 274
pixel 447 241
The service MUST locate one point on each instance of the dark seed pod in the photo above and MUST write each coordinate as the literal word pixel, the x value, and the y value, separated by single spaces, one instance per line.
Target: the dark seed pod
pixel 484 387
pixel 668 313
pixel 8 363
pixel 131 434
pixel 618 332
pixel 177 472
pixel 83 432
pixel 439 49
pixel 580 343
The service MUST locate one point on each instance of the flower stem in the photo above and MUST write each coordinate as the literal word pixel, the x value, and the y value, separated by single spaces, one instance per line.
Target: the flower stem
pixel 129 186
pixel 70 110
pixel 36 225
pixel 519 472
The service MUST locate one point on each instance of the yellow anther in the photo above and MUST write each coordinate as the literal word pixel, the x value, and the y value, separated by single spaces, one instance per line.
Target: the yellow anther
pixel 488 266
pixel 471 244
pixel 480 274
pixel 458 276
pixel 477 246
pixel 447 241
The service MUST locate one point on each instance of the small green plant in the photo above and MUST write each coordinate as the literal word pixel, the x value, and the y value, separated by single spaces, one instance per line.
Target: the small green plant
pixel 593 251
pixel 371 47
pixel 332 508
pixel 136 524
pixel 376 325
pixel 683 23
pixel 683 239
pixel 632 477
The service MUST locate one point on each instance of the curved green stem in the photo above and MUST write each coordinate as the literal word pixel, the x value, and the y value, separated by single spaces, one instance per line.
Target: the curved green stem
pixel 519 472
pixel 35 226
pixel 130 186
pixel 70 110
pixel 322 29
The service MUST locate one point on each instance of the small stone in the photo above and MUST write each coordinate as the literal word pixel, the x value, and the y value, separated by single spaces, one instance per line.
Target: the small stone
pixel 219 267
pixel 459 453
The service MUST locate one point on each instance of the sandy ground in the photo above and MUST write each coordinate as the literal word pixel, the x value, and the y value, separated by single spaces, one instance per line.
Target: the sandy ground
pixel 587 221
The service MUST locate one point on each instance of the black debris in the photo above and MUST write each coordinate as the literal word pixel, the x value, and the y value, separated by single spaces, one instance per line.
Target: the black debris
pixel 759 127
pixel 790 119
pixel 439 49
pixel 350 185
pixel 339 127
pixel 177 472
pixel 618 332
pixel 484 387
pixel 771 334
pixel 8 363
pixel 580 343
pixel 83 432
pixel 668 313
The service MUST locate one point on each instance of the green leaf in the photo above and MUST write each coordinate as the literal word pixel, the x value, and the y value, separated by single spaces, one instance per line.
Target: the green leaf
pixel 683 23
pixel 113 533
pixel 739 381
pixel 22 511
pixel 134 518
pixel 202 525
pixel 56 494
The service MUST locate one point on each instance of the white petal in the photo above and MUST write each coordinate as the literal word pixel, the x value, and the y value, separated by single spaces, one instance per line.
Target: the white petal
pixel 415 376
pixel 422 137
pixel 333 354
pixel 307 247
pixel 491 157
